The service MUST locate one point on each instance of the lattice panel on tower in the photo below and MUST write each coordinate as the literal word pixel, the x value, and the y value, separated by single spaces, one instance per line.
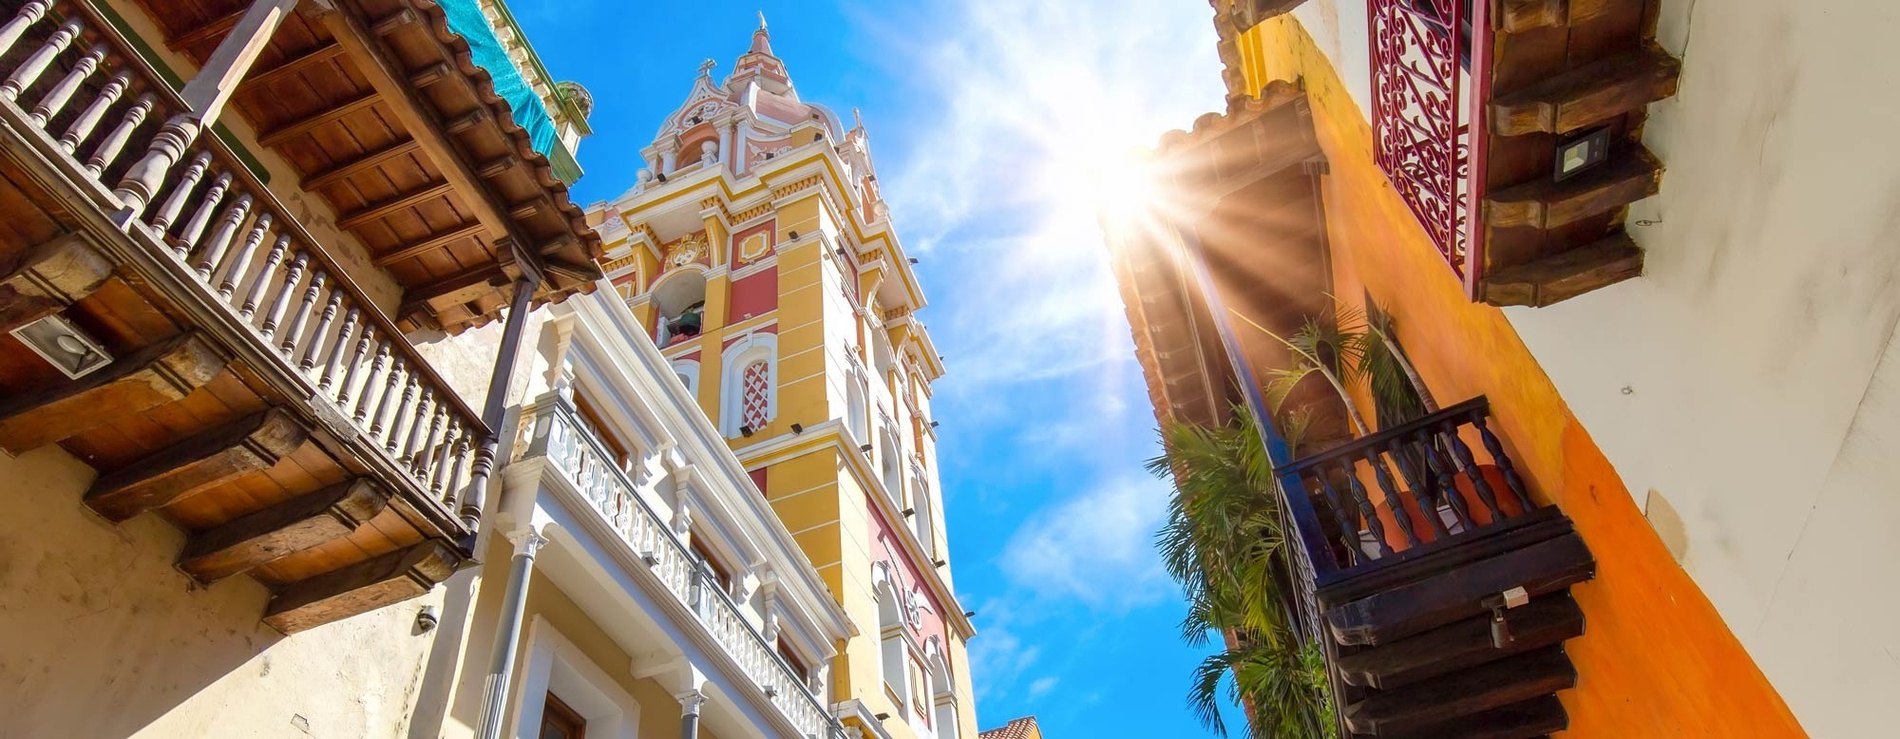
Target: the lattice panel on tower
pixel 758 382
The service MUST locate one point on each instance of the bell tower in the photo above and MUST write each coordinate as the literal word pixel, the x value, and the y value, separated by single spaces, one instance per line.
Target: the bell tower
pixel 758 253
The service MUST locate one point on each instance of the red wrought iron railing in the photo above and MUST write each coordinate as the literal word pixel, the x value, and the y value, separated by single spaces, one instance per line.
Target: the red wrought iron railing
pixel 1430 80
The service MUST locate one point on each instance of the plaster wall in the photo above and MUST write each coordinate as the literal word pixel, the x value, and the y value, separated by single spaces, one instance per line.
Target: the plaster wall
pixel 1746 378
pixel 1657 657
pixel 101 637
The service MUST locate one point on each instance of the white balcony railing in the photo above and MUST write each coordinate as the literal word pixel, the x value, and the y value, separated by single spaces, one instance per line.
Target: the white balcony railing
pixel 571 449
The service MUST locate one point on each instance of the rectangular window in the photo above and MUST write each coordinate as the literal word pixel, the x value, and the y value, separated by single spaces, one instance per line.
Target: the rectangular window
pixel 596 424
pixel 719 571
pixel 792 661
pixel 560 722
pixel 919 690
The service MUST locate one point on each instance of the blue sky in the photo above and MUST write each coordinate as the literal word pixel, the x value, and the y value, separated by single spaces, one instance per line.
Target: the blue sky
pixel 990 122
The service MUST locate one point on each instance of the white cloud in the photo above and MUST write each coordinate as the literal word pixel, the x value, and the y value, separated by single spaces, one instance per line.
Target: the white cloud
pixel 1036 96
pixel 1041 687
pixel 1096 548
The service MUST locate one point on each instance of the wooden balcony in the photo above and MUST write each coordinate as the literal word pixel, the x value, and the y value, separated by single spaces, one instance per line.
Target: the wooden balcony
pixel 231 372
pixel 1475 102
pixel 1438 588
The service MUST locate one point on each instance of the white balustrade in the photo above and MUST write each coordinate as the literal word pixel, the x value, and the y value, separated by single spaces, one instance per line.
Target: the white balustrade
pixel 584 461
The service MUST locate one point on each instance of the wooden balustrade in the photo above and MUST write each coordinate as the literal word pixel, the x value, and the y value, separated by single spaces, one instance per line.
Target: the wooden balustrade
pixel 72 74
pixel 571 448
pixel 1432 490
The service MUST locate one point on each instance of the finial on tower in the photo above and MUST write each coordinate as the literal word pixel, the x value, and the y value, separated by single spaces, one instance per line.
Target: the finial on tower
pixel 706 67
pixel 858 116
pixel 761 20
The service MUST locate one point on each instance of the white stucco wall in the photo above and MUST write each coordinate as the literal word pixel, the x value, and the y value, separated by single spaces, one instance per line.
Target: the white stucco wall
pixel 1758 400
pixel 101 637
pixel 1750 377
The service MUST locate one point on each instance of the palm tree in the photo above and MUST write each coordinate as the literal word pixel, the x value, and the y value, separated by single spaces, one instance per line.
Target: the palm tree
pixel 1223 542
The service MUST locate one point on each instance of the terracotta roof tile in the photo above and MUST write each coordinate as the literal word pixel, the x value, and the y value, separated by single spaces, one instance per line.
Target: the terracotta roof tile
pixel 1021 728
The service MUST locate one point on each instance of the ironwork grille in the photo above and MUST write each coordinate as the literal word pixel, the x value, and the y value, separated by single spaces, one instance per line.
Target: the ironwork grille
pixel 755 402
pixel 1420 124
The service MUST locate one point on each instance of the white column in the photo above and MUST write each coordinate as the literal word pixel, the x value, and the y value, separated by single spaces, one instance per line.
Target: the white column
pixel 690 702
pixel 527 543
pixel 726 151
pixel 669 155
pixel 741 144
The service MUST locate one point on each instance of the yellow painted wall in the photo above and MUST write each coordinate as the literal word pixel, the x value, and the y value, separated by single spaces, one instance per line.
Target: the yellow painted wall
pixel 1656 659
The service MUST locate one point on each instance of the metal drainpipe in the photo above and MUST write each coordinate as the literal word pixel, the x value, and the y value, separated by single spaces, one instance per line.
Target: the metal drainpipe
pixel 496 408
pixel 508 634
pixel 690 702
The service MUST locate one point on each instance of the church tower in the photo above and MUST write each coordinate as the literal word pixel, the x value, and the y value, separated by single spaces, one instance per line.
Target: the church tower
pixel 757 252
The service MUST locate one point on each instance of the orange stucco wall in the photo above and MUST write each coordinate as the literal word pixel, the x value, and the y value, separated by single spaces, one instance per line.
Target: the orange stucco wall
pixel 1656 660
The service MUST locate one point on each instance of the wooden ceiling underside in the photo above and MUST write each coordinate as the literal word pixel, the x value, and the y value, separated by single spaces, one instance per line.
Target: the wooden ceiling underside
pixel 386 118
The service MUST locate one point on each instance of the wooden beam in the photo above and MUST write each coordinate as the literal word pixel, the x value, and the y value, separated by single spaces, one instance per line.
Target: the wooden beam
pixel 331 115
pixel 360 164
pixel 400 202
pixel 314 57
pixel 46 279
pixel 1589 94
pixel 1450 595
pixel 196 464
pixel 430 244
pixel 422 124
pixel 1629 176
pixel 290 526
pixel 1540 623
pixel 1492 686
pixel 429 75
pixel 216 29
pixel 1537 717
pixel 483 279
pixel 1518 16
pixel 361 587
pixel 1566 275
pixel 153 376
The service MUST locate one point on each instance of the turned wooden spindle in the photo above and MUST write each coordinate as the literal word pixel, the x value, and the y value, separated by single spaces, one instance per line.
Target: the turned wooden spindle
pixel 342 346
pixel 390 385
pixel 56 98
pixel 30 70
pixel 181 193
pixel 445 452
pixel 367 391
pixel 1502 460
pixel 364 340
pixel 88 119
pixel 316 345
pixel 292 276
pixel 1418 486
pixel 208 207
pixel 260 286
pixel 424 408
pixel 260 230
pixel 302 317
pixel 213 253
pixel 403 416
pixel 114 143
pixel 29 14
pixel 1348 530
pixel 420 457
pixel 1366 508
pixel 455 469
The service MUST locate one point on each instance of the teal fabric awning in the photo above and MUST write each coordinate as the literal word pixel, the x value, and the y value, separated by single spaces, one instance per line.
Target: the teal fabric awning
pixel 467 20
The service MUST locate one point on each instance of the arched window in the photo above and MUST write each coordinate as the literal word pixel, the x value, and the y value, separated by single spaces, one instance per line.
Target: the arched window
pixel 749 385
pixel 892 464
pixel 894 650
pixel 924 523
pixel 687 371
pixel 942 690
pixel 857 407
pixel 679 304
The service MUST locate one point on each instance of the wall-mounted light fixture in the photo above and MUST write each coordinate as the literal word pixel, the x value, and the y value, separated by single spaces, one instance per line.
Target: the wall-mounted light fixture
pixel 882 717
pixel 913 260
pixel 908 512
pixel 64 345
pixel 1582 152
pixel 934 424
pixel 866 448
pixel 969 614
pixel 798 428
pixel 745 430
pixel 940 562
pixel 792 234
